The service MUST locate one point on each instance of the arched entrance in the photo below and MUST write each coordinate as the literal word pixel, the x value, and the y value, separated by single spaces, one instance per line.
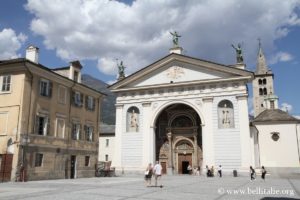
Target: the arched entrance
pixel 178 136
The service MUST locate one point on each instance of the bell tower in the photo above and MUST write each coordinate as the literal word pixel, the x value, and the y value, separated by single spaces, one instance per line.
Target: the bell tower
pixel 262 84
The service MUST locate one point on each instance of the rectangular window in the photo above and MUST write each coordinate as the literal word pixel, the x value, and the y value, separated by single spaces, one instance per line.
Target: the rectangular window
pixel 89 130
pixel 76 131
pixel 77 99
pixel 107 143
pixel 90 103
pixel 62 94
pixel 42 125
pixel 87 161
pixel 272 104
pixel 38 159
pixel 76 76
pixel 45 88
pixel 3 123
pixel 5 83
pixel 60 127
pixel 106 157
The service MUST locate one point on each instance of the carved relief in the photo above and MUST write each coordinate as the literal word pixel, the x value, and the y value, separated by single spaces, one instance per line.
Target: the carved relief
pixel 175 72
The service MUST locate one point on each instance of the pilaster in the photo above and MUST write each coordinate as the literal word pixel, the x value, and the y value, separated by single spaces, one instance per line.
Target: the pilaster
pixel 117 161
pixel 207 134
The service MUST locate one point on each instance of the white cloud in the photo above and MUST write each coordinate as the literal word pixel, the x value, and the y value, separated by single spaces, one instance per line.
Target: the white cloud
pixel 138 33
pixel 10 43
pixel 286 107
pixel 297 116
pixel 281 57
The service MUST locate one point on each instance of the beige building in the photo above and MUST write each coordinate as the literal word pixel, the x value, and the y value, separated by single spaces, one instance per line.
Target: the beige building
pixel 48 121
pixel 106 142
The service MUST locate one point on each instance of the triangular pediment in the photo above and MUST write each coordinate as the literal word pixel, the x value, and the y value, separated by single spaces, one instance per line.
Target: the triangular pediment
pixel 179 69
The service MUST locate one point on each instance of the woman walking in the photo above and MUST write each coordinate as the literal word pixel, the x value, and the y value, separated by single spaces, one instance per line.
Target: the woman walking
pixel 148 174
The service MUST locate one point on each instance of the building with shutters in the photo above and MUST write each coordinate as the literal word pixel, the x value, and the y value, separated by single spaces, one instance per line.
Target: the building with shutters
pixel 48 121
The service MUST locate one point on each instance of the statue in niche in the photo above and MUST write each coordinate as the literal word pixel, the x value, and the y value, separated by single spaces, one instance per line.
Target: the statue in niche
pixel 226 117
pixel 133 121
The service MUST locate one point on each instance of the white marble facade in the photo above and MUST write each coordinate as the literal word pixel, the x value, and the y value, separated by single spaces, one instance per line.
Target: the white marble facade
pixel 216 93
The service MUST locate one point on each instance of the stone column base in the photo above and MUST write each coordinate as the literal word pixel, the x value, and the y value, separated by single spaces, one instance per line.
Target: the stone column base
pixel 170 171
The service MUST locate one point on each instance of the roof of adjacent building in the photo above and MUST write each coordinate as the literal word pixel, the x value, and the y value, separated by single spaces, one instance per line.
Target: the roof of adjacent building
pixel 106 129
pixel 275 115
pixel 23 60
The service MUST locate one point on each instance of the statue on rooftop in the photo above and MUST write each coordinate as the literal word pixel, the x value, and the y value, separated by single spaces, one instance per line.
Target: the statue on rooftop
pixel 121 70
pixel 239 55
pixel 175 38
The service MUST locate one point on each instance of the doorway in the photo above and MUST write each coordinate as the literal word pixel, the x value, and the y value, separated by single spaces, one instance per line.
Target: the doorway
pixel 73 167
pixel 184 160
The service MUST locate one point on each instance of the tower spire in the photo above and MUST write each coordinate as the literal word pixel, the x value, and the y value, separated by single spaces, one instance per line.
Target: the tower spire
pixel 261 67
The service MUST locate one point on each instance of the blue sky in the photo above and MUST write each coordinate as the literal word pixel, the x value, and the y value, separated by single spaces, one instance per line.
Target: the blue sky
pixel 99 32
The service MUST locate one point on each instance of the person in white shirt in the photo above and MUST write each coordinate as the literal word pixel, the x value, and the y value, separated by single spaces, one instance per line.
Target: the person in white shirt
pixel 220 171
pixel 157 171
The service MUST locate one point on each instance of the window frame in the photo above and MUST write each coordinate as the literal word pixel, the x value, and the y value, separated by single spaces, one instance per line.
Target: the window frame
pixel 46 125
pixel 89 133
pixel 4 83
pixel 63 129
pixel 87 161
pixel 45 87
pixel 76 131
pixel 106 142
pixel 59 98
pixel 90 103
pixel 39 159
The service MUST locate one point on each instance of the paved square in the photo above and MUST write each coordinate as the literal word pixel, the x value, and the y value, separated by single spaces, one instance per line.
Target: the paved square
pixel 133 188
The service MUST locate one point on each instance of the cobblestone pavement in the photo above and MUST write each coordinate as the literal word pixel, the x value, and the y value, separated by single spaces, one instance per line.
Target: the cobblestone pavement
pixel 134 188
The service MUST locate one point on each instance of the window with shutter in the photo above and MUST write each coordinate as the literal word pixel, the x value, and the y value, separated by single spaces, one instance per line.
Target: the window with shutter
pixel 45 88
pixel 42 125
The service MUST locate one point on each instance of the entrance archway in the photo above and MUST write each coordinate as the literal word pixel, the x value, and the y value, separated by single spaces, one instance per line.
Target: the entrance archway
pixel 178 136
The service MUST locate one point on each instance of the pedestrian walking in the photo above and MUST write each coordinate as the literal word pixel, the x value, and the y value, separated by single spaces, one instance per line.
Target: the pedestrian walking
pixel 148 174
pixel 263 173
pixel 252 173
pixel 220 171
pixel 157 172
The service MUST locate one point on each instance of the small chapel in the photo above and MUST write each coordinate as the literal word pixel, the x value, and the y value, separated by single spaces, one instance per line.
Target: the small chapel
pixel 183 111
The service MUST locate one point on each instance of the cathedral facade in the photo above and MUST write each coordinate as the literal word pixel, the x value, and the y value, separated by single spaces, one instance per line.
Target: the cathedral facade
pixel 183 111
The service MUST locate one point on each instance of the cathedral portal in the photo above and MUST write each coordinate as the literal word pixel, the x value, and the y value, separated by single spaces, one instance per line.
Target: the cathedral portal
pixel 178 139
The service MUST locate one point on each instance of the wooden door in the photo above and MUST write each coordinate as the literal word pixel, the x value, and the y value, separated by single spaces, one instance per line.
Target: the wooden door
pixel 182 160
pixel 164 167
pixel 6 167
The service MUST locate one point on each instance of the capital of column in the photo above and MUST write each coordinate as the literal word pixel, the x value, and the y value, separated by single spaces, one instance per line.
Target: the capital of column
pixel 207 99
pixel 242 97
pixel 146 104
pixel 118 105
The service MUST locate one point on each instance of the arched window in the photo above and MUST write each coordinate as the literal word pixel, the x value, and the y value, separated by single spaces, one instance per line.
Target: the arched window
pixel 132 119
pixel 265 91
pixel 264 81
pixel 259 81
pixel 225 114
pixel 260 91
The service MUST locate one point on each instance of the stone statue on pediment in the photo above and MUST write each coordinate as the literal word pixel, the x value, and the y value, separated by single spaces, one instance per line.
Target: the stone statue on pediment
pixel 239 55
pixel 175 38
pixel 121 69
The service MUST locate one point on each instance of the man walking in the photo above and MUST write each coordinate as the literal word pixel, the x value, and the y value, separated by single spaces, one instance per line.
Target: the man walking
pixel 157 172
pixel 220 171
